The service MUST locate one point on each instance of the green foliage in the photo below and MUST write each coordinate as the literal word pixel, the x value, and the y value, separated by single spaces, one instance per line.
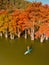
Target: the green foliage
pixel 13 4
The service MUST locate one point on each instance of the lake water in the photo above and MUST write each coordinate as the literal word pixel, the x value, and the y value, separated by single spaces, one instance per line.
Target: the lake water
pixel 12 52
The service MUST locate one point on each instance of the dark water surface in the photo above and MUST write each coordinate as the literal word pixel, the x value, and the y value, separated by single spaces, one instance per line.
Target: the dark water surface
pixel 12 52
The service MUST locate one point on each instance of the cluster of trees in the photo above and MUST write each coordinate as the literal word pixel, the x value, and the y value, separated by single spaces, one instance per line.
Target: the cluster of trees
pixel 11 5
pixel 34 20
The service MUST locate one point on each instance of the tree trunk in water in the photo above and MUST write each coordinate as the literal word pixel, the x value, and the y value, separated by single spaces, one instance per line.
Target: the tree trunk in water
pixel 6 34
pixel 25 34
pixel 32 34
pixel 11 36
pixel 1 34
pixel 46 38
pixel 42 38
pixel 18 33
pixel 28 31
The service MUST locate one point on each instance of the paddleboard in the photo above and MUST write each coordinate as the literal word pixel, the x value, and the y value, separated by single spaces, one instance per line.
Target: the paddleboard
pixel 28 51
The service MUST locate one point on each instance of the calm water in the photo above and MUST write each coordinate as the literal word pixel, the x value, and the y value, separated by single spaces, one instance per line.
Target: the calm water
pixel 12 52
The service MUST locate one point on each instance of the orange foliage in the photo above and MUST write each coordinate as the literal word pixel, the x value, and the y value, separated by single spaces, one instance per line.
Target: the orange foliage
pixel 35 14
